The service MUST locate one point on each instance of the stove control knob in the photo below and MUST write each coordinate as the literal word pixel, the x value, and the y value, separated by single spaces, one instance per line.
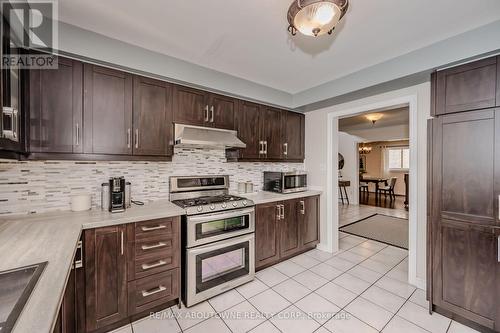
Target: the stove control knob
pixel 200 208
pixel 212 207
pixel 244 203
pixel 235 204
pixel 224 205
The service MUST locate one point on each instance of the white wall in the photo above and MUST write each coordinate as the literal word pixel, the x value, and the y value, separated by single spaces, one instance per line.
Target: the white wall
pixel 348 147
pixel 318 151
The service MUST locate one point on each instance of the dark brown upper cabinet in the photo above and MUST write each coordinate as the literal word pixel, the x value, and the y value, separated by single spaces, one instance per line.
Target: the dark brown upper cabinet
pixel 190 106
pixel 222 110
pixel 56 100
pixel 248 126
pixel 468 87
pixel 107 111
pixel 152 120
pixel 105 276
pixel 201 108
pixel 293 130
pixel 270 133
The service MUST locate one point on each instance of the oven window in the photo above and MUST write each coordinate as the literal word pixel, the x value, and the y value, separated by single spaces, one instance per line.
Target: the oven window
pixel 218 227
pixel 220 266
pixel 292 182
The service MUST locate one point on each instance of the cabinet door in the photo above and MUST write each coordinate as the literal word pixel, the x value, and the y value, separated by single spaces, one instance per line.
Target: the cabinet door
pixel 66 320
pixel 190 106
pixel 107 111
pixel 56 101
pixel 464 208
pixel 266 234
pixel 498 81
pixel 290 229
pixel 152 117
pixel 271 133
pixel 309 220
pixel 293 128
pixel 248 126
pixel 468 87
pixel 222 111
pixel 105 276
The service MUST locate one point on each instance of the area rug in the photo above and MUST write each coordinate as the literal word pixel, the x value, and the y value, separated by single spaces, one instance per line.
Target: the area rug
pixel 386 229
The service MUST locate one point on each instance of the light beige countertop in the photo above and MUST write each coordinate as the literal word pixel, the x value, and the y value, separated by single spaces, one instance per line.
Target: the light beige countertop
pixel 266 197
pixel 53 237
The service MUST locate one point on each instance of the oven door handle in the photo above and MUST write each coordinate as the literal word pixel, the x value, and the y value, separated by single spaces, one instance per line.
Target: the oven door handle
pixel 222 244
pixel 218 216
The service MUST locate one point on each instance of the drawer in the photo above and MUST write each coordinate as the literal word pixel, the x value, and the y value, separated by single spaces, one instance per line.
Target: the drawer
pixel 155 263
pixel 152 291
pixel 157 227
pixel 157 244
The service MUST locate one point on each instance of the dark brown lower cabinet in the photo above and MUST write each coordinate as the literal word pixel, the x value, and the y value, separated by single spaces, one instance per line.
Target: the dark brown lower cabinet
pixel 284 229
pixel 128 271
pixel 267 234
pixel 105 276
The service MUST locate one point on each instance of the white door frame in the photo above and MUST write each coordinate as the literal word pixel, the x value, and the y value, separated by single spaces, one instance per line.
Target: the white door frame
pixel 332 172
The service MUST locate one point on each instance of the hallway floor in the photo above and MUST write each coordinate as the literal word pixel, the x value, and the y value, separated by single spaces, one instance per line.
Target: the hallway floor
pixel 363 288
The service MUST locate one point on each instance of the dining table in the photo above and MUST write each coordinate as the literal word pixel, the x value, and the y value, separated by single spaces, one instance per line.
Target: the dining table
pixel 375 180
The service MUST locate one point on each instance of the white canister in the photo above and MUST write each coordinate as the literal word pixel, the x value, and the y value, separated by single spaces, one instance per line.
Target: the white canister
pixel 81 202
pixel 249 187
pixel 241 187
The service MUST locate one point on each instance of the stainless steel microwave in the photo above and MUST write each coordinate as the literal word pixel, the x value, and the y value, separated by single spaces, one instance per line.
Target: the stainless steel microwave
pixel 285 182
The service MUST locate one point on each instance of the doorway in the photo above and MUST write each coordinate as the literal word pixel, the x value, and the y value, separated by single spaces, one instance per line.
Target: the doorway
pixel 373 173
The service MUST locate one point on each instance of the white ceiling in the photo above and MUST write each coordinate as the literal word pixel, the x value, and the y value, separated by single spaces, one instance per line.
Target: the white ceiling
pixel 248 39
pixel 396 117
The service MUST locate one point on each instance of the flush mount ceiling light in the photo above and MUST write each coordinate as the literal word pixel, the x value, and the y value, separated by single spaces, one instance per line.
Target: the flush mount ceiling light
pixel 315 17
pixel 374 117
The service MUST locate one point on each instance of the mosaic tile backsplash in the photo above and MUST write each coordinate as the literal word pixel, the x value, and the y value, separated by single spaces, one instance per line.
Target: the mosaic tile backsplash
pixel 42 186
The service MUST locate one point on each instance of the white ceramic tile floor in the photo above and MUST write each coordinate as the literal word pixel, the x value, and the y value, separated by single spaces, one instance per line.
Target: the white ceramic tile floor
pixel 316 292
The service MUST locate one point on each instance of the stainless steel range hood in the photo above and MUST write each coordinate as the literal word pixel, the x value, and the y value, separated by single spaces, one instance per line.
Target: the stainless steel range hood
pixel 195 136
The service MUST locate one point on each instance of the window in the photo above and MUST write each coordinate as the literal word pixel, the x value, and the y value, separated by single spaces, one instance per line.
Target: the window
pixel 399 158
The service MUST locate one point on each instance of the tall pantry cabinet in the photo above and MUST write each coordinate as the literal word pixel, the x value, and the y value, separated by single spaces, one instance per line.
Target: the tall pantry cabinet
pixel 464 194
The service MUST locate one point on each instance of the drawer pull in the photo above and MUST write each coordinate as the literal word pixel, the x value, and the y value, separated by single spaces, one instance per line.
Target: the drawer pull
pixel 158 227
pixel 155 246
pixel 156 264
pixel 159 289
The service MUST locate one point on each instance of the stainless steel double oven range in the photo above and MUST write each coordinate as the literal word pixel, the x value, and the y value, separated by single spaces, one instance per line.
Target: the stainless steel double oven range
pixel 218 241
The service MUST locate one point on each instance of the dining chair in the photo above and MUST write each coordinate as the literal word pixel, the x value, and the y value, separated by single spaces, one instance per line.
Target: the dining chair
pixel 389 189
pixel 363 188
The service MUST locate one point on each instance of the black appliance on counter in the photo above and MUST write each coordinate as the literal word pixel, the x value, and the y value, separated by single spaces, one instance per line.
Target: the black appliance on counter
pixel 117 197
pixel 285 182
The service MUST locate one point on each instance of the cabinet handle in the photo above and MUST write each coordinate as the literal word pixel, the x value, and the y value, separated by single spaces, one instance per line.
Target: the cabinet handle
pixel 498 247
pixel 285 149
pixel 77 134
pixel 156 264
pixel 261 150
pixel 128 137
pixel 499 206
pixel 212 114
pixel 282 212
pixel 158 227
pixel 302 207
pixel 206 113
pixel 79 254
pixel 155 246
pixel 278 208
pixel 136 138
pixel 121 241
pixel 265 147
pixel 159 289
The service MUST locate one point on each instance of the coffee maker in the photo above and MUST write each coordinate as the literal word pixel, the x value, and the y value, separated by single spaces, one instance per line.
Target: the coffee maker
pixel 117 197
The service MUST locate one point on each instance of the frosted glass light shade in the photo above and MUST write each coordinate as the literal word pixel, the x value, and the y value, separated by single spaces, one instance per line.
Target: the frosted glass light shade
pixel 315 17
